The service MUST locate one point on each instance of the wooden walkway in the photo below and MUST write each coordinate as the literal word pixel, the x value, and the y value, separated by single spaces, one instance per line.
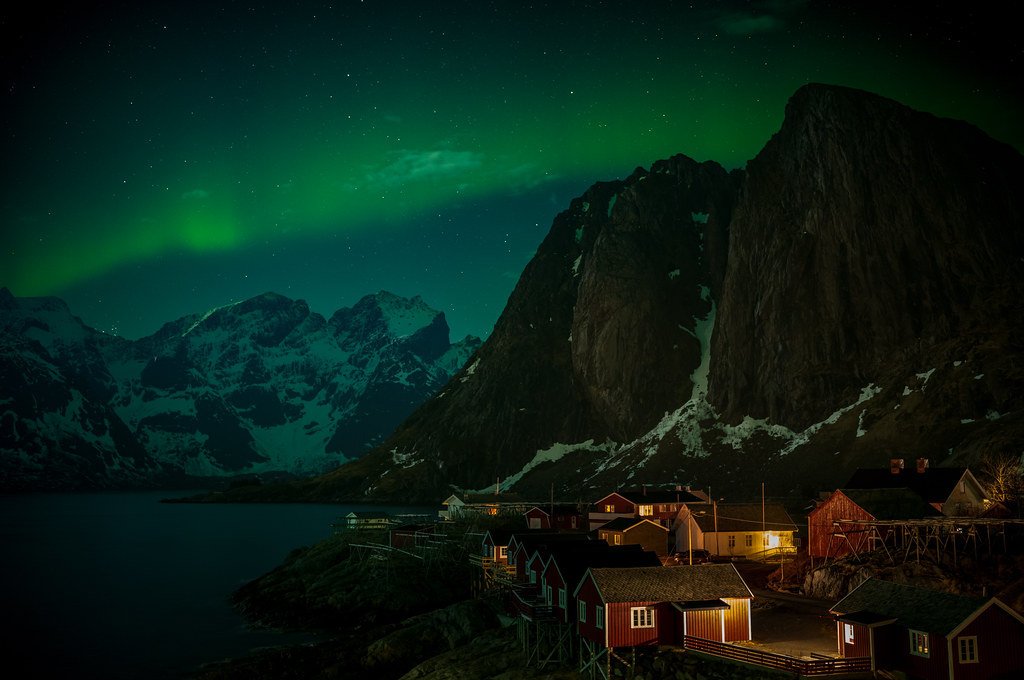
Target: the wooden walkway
pixel 801 667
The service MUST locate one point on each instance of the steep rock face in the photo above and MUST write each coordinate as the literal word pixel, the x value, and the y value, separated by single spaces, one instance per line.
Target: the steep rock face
pixel 611 300
pixel 260 385
pixel 855 294
pixel 864 229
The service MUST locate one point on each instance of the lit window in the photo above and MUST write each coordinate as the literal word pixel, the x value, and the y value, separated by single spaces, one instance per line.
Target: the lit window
pixel 732 541
pixel 646 510
pixel 609 508
pixel 599 617
pixel 968 647
pixel 848 633
pixel 919 644
pixel 618 539
pixel 750 540
pixel 764 540
pixel 641 617
pixel 503 552
pixel 583 611
pixel 561 598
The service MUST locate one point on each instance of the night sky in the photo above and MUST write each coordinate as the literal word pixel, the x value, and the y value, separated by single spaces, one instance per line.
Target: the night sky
pixel 165 158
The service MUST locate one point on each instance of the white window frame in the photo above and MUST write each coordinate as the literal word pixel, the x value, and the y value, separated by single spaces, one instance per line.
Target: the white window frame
pixel 645 510
pixel 549 595
pixel 599 617
pixel 582 613
pixel 533 577
pixel 848 633
pixel 617 539
pixel 641 617
pixel 967 649
pixel 503 552
pixel 920 644
pixel 561 598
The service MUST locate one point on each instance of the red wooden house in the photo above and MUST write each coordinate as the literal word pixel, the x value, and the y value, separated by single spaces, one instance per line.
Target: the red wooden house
pixel 556 517
pixel 567 564
pixel 832 528
pixel 657 504
pixel 636 531
pixel 495 545
pixel 928 634
pixel 660 605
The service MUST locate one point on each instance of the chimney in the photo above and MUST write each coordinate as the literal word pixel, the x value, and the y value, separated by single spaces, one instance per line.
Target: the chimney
pixel 922 465
pixel 895 465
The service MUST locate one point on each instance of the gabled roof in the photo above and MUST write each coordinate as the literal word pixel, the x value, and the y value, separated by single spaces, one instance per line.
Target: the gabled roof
pixel 359 514
pixel 531 540
pixel 652 496
pixel 918 608
pixel 557 509
pixel 701 582
pixel 572 564
pixel 895 503
pixel 934 485
pixel 626 523
pixel 741 517
pixel 498 536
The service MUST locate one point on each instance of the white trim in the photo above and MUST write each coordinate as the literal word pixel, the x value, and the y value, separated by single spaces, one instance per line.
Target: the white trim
pixel 641 617
pixel 721 618
pixel 980 610
pixel 916 638
pixel 973 642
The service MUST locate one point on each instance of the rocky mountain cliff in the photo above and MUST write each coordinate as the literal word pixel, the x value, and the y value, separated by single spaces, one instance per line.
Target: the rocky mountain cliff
pixel 854 294
pixel 256 386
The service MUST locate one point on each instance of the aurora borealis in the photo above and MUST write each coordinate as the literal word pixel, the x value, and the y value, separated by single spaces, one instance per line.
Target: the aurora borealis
pixel 166 158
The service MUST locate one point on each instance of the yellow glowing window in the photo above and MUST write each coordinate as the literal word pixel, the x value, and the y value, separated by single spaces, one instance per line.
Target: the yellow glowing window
pixel 919 644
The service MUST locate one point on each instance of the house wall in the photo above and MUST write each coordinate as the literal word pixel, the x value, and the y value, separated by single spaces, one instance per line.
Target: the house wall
pixel 705 624
pixel 651 537
pixel 587 629
pixel 536 519
pixel 757 544
pixel 1000 646
pixel 892 653
pixel 553 579
pixel 861 645
pixel 683 527
pixel 820 527
pixel 965 499
pixel 621 634
pixel 737 619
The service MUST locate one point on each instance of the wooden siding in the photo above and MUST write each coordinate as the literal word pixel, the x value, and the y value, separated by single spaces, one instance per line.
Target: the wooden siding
pixel 553 579
pixel 705 624
pixel 537 519
pixel 621 505
pixel 667 628
pixel 645 534
pixel 737 619
pixel 861 645
pixel 892 652
pixel 1000 646
pixel 820 526
pixel 588 594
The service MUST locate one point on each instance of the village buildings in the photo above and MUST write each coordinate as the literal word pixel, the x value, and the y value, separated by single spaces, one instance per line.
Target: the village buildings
pixel 750 530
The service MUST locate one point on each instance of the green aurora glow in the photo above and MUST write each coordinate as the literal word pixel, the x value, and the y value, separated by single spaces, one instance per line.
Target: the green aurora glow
pixel 169 130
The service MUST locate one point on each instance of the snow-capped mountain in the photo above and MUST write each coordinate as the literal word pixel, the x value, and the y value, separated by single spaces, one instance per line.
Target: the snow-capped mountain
pixel 855 293
pixel 259 385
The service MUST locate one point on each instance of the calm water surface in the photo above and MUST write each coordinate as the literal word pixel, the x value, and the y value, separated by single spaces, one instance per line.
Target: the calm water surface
pixel 119 585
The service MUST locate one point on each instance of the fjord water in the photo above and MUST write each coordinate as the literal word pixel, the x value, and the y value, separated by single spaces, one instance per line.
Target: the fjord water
pixel 119 585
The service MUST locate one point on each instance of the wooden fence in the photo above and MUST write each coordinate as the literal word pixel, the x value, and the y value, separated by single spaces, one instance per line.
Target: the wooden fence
pixel 777 661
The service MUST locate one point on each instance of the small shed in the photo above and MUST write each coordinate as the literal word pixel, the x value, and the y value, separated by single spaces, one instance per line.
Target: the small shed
pixel 929 634
pixel 629 530
pixel 660 605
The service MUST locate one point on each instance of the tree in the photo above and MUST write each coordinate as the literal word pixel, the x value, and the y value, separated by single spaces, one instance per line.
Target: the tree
pixel 1004 475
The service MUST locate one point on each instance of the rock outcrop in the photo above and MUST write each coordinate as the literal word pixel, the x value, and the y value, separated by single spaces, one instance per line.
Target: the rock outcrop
pixel 855 293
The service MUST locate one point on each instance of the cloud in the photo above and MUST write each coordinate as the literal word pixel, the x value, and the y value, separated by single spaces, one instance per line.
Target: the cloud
pixel 195 195
pixel 414 166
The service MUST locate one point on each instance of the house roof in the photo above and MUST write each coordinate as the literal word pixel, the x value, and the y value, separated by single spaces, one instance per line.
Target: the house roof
pixel 626 523
pixel 918 608
pixel 573 563
pixel 660 496
pixel 741 517
pixel 368 515
pixel 895 503
pixel 669 584
pixel 557 509
pixel 498 536
pixel 934 485
pixel 532 540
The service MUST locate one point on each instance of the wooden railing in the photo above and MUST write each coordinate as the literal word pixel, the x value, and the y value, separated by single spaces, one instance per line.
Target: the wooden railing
pixel 827 666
